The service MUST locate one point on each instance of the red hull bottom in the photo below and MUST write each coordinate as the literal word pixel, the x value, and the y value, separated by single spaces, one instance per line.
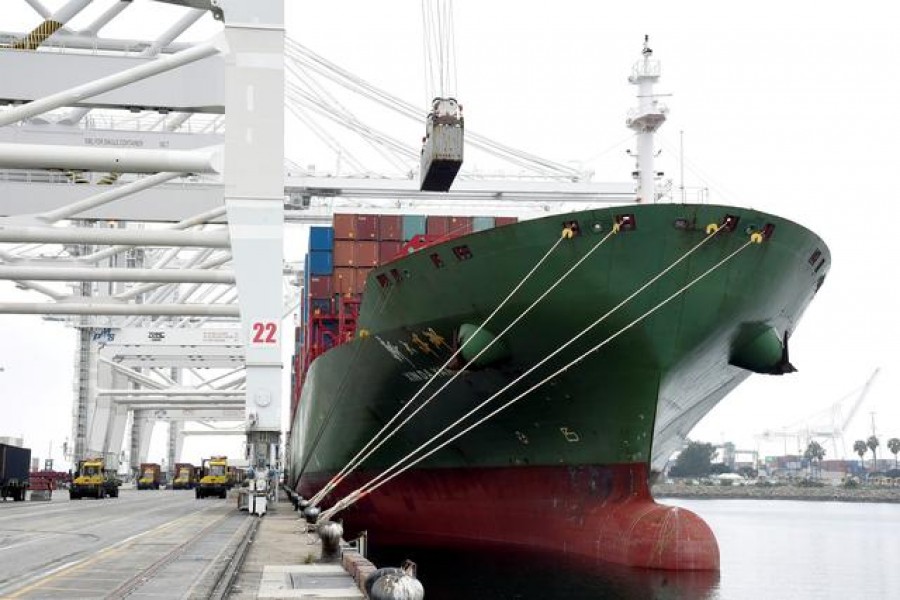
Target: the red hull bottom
pixel 605 513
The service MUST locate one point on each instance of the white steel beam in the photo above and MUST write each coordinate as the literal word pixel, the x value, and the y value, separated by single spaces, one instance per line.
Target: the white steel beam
pixel 103 20
pixel 111 82
pixel 196 432
pixel 213 361
pixel 229 297
pixel 135 237
pixel 76 41
pixel 170 393
pixel 162 374
pixel 112 195
pixel 141 289
pixel 26 193
pixel 31 285
pixel 327 195
pixel 168 36
pixel 203 413
pixel 142 427
pixel 174 122
pixel 176 443
pixel 486 189
pixel 52 23
pixel 39 8
pixel 124 160
pixel 115 274
pixel 254 196
pixel 131 373
pixel 137 338
pixel 188 19
pixel 106 130
pixel 209 382
pixel 187 401
pixel 100 308
pixel 186 223
pixel 237 383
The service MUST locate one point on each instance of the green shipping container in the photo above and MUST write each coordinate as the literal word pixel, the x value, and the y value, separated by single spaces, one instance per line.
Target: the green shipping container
pixel 482 223
pixel 413 225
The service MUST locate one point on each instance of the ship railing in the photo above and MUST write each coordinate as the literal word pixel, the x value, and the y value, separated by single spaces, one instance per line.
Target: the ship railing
pixel 671 194
pixel 649 67
pixel 25 176
pixel 77 177
pixel 657 108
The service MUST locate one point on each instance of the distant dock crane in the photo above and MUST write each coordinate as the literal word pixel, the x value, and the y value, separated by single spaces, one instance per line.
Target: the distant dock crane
pixel 834 431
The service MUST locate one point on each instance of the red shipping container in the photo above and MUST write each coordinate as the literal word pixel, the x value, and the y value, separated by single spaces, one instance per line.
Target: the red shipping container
pixel 390 227
pixel 460 226
pixel 367 227
pixel 501 221
pixel 344 280
pixel 437 226
pixel 344 227
pixel 319 286
pixel 361 275
pixel 366 254
pixel 388 251
pixel 344 253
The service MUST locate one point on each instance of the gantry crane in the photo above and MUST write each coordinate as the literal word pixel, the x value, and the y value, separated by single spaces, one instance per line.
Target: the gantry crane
pixel 834 431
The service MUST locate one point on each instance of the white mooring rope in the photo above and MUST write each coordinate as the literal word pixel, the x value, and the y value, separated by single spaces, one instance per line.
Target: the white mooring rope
pixel 379 308
pixel 355 463
pixel 396 470
pixel 363 454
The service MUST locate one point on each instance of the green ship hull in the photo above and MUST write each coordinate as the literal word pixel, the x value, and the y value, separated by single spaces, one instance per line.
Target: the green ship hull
pixel 627 405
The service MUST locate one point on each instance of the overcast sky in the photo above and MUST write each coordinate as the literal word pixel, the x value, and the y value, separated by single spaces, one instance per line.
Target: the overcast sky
pixel 785 107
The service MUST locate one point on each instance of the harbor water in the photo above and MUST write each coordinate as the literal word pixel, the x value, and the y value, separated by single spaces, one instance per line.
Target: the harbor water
pixel 770 549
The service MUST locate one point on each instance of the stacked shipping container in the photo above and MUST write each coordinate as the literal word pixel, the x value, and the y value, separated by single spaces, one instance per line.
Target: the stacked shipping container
pixel 339 260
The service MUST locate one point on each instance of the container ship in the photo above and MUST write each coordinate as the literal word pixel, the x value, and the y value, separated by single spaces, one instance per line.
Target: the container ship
pixel 605 335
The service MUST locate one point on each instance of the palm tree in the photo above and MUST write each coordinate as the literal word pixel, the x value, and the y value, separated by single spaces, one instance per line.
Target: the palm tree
pixel 872 444
pixel 893 445
pixel 860 448
pixel 814 454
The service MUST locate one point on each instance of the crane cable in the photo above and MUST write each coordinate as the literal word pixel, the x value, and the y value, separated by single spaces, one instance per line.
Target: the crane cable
pixel 325 102
pixel 396 469
pixel 363 454
pixel 439 48
pixel 299 53
pixel 357 460
pixel 566 233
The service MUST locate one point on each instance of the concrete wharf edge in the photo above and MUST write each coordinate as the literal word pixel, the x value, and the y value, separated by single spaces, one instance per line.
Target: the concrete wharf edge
pixel 282 554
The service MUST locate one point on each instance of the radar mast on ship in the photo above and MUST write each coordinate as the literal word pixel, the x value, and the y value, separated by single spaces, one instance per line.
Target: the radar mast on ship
pixel 645 119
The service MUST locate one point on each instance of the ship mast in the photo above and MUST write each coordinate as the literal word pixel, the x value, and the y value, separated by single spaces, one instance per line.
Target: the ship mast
pixel 645 119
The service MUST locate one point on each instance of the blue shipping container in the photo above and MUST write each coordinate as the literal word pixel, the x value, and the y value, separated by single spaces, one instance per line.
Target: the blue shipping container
pixel 306 274
pixel 320 262
pixel 321 238
pixel 482 223
pixel 413 225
